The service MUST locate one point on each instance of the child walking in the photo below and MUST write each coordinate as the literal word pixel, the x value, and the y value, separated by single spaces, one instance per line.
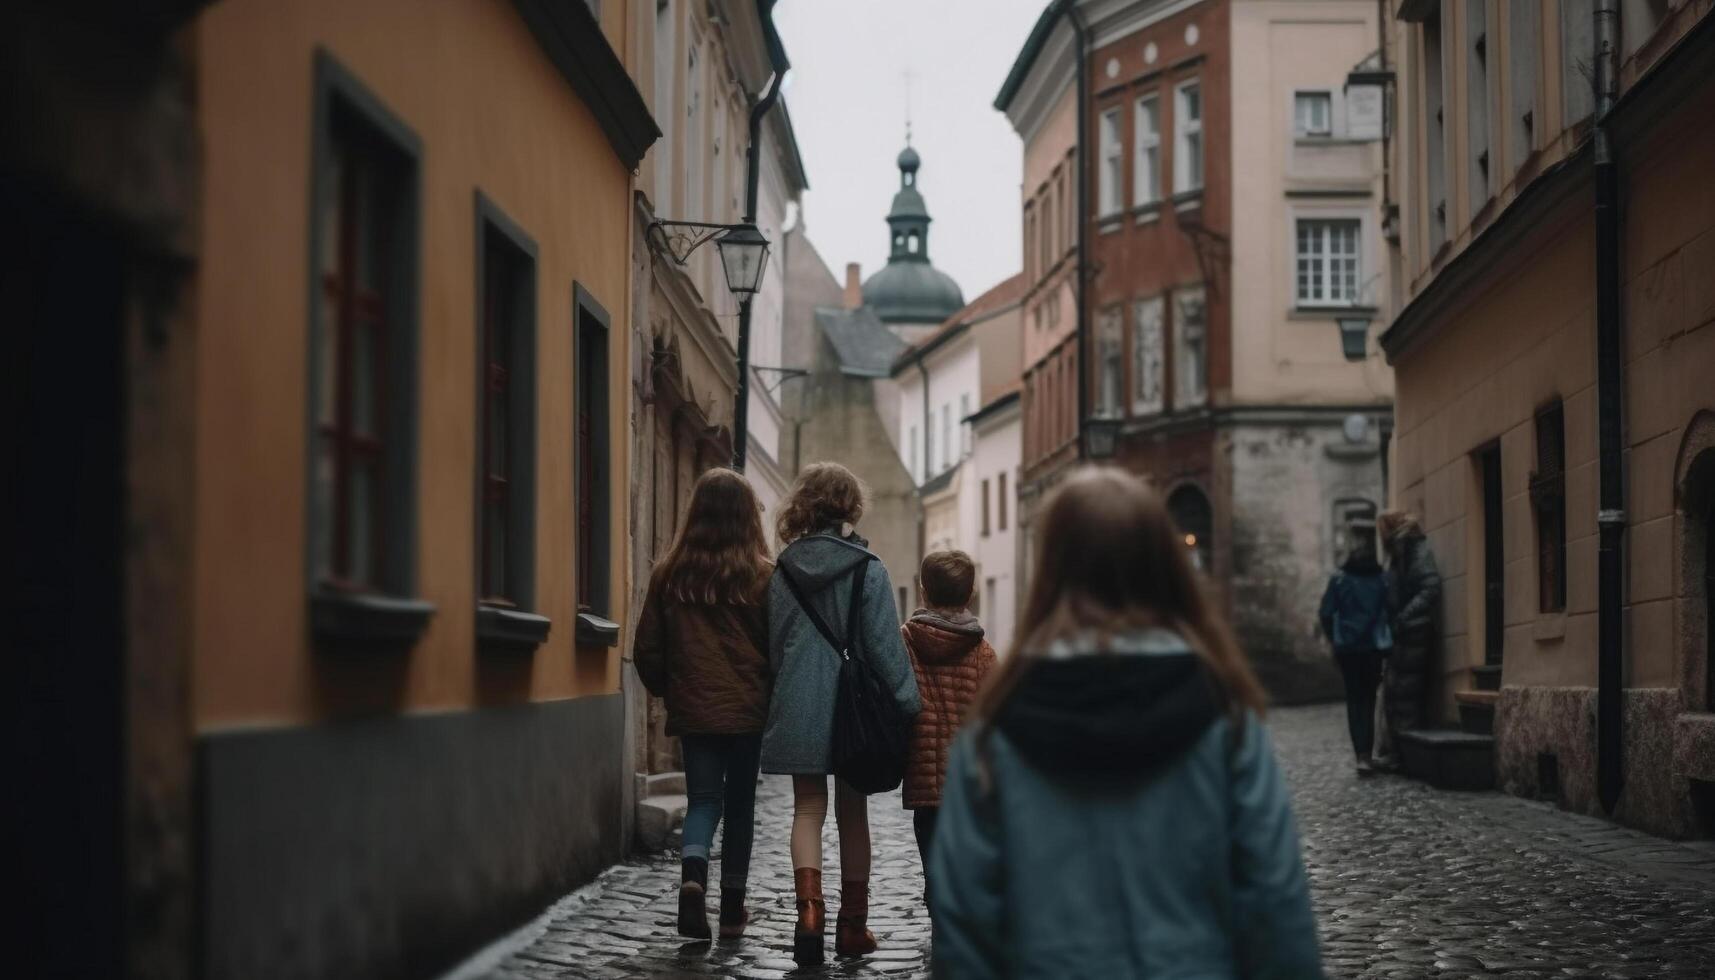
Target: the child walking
pixel 951 659
pixel 702 644
pixel 1113 808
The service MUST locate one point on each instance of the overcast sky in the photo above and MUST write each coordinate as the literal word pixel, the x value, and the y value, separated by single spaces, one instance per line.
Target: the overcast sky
pixel 847 95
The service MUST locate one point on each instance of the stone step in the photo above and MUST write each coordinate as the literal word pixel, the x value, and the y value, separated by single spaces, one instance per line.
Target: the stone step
pixel 1477 711
pixel 1447 758
pixel 659 819
pixel 1487 677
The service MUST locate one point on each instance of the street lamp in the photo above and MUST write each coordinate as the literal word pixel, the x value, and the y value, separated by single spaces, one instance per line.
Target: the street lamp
pixel 1355 335
pixel 1101 436
pixel 744 254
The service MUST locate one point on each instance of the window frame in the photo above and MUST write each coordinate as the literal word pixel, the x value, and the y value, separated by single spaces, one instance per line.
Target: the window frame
pixel 1110 175
pixel 592 460
pixel 1298 128
pixel 1184 132
pixel 384 611
pixel 985 492
pixel 1146 186
pixel 506 623
pixel 1182 397
pixel 1000 501
pixel 1548 507
pixel 1110 362
pixel 1328 219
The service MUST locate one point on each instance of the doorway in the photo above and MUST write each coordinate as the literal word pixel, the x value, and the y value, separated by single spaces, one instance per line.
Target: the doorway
pixel 1494 557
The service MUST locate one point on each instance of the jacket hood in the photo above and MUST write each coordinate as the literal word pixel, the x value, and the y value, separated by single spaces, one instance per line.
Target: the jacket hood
pixel 1127 712
pixel 816 561
pixel 937 638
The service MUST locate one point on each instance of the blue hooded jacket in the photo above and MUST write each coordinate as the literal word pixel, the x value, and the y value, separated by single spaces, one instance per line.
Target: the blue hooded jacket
pixel 1118 821
pixel 1354 611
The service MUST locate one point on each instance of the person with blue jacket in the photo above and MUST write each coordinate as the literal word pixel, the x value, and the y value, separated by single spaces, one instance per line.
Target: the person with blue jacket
pixel 1354 618
pixel 1113 807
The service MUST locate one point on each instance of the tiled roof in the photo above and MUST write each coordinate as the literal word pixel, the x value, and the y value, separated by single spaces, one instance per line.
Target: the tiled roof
pixel 861 341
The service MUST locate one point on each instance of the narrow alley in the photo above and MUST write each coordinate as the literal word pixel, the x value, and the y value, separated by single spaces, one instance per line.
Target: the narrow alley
pixel 1408 882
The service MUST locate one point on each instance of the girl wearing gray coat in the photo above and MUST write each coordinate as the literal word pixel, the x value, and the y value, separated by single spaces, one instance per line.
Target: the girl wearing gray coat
pixel 822 555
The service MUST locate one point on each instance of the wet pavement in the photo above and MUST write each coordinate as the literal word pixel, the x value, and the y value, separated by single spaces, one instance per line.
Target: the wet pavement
pixel 1408 882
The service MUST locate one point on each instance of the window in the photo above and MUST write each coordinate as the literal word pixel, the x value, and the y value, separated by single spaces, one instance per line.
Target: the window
pixel 1577 59
pixel 1030 236
pixel 985 508
pixel 1523 57
pixel 929 446
pixel 1108 181
pixel 1327 273
pixel 693 134
pixel 1190 341
pixel 1313 114
pixel 1000 503
pixel 946 436
pixel 989 609
pixel 592 460
pixel 1146 178
pixel 666 60
pixel 1477 96
pixel 1188 148
pixel 1047 237
pixel 1147 366
pixel 362 378
pixel 911 458
pixel 1548 497
pixel 1354 527
pixel 1109 369
pixel 1434 127
pixel 964 427
pixel 506 458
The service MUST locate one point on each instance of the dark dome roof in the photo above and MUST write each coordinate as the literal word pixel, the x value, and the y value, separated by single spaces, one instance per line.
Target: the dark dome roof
pixel 912 292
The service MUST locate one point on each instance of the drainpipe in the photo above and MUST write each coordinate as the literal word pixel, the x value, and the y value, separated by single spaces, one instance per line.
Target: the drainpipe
pixel 1611 515
pixel 927 417
pixel 1080 34
pixel 753 176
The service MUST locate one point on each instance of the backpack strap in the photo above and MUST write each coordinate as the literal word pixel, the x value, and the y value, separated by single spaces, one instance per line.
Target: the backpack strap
pixel 839 646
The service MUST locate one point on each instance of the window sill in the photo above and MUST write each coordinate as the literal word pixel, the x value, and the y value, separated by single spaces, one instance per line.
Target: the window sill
pixel 500 630
pixel 1107 224
pixel 351 618
pixel 1145 214
pixel 1549 627
pixel 596 631
pixel 1189 200
pixel 1327 313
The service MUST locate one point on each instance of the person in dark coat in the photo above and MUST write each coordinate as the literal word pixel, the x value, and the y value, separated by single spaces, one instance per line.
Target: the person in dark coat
pixel 1354 618
pixel 823 558
pixel 1113 807
pixel 1414 599
pixel 702 646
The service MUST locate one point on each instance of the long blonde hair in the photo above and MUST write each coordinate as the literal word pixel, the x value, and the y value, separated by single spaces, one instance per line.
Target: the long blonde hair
pixel 720 553
pixel 1110 561
pixel 825 495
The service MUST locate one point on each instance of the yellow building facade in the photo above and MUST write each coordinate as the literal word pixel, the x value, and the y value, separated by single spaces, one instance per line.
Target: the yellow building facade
pixel 1496 365
pixel 411 457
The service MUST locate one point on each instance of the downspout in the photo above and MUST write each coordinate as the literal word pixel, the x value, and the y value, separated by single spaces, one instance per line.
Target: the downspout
pixel 924 372
pixel 1611 515
pixel 1080 35
pixel 753 177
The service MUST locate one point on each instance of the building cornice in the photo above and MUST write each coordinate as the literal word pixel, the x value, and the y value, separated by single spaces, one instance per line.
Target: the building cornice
pixel 570 36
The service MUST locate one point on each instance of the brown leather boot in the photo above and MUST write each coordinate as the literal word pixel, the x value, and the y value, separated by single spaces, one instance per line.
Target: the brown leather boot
pixel 808 937
pixel 851 935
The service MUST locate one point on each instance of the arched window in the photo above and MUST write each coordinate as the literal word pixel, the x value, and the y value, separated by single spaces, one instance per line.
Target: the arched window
pixel 1189 508
pixel 915 243
pixel 1697 505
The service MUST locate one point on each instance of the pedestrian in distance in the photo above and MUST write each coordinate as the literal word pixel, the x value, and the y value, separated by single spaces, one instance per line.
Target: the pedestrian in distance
pixel 702 645
pixel 1414 599
pixel 951 659
pixel 1354 617
pixel 825 566
pixel 1113 807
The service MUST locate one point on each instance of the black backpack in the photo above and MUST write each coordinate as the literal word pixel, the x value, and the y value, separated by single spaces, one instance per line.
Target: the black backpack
pixel 871 734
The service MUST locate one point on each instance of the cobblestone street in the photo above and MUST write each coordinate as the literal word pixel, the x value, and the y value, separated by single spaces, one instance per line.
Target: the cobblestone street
pixel 1408 882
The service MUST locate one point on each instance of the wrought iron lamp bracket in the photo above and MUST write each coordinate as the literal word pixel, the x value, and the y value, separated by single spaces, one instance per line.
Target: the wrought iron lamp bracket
pixel 680 238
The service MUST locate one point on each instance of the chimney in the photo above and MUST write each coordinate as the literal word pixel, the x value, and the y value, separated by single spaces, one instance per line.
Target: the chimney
pixel 854 287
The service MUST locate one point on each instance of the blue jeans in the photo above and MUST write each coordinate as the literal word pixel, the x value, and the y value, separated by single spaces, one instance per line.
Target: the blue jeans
pixel 720 773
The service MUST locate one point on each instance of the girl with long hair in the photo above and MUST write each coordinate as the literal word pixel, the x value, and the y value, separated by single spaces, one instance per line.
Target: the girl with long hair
pixel 825 564
pixel 1113 807
pixel 702 645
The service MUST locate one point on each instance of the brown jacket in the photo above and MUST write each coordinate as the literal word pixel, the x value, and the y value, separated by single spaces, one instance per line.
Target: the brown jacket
pixel 710 663
pixel 951 659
